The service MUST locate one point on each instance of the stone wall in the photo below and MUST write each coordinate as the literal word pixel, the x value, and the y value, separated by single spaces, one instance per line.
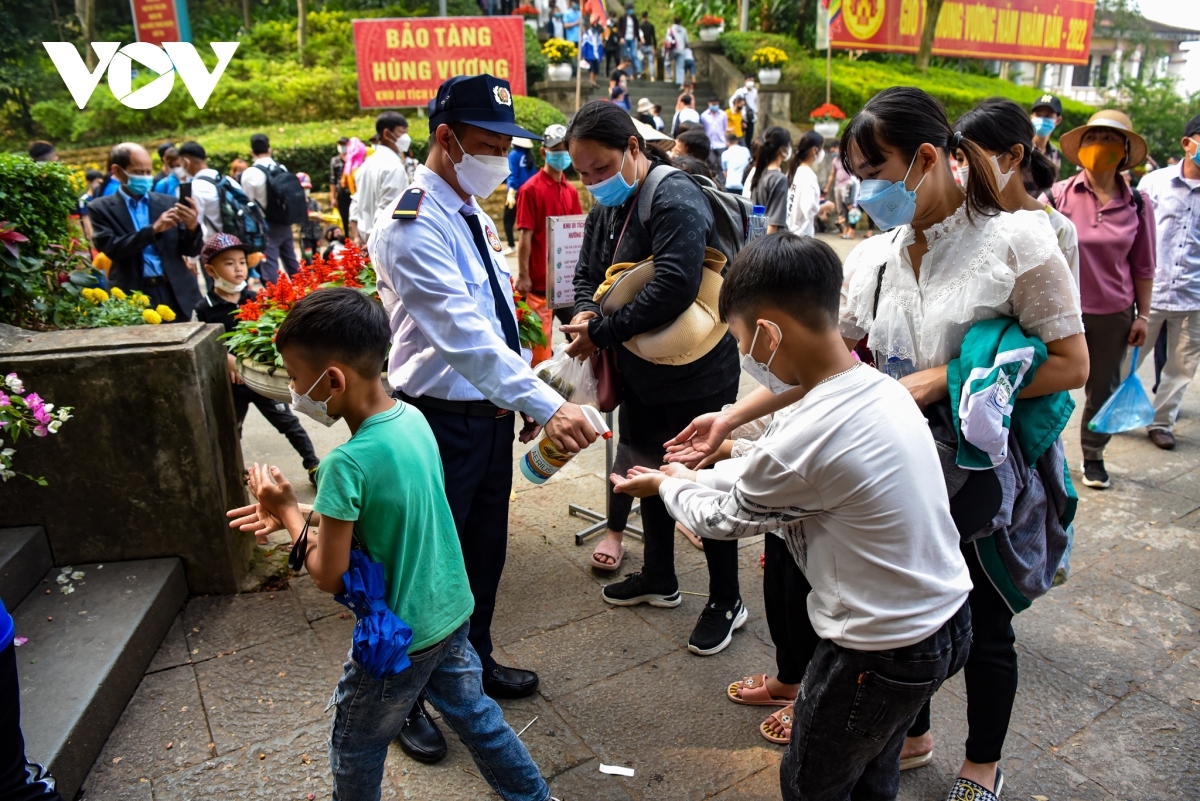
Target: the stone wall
pixel 151 460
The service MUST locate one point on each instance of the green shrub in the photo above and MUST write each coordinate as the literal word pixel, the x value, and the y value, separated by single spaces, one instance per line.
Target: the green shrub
pixel 36 198
pixel 856 82
pixel 535 62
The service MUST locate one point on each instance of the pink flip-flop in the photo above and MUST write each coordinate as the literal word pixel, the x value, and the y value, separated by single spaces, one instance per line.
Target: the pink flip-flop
pixel 613 550
pixel 692 538
pixel 784 718
pixel 752 691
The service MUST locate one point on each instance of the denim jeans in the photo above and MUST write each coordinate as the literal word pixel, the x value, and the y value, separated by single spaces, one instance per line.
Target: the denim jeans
pixel 854 708
pixel 629 49
pixel 371 712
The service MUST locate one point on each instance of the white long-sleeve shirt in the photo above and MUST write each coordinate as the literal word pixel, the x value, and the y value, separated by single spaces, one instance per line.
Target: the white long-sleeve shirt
pixel 254 181
pixel 379 183
pixel 447 341
pixel 804 201
pixel 851 478
pixel 208 202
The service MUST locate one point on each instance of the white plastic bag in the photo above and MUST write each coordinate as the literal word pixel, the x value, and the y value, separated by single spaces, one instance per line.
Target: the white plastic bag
pixel 570 378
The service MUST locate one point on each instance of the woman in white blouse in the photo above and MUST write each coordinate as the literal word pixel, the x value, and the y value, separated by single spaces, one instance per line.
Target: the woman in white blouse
pixel 1002 129
pixel 804 190
pixel 946 261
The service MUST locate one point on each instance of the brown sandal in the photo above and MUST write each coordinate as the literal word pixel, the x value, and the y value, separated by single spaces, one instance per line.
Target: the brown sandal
pixel 752 691
pixel 783 718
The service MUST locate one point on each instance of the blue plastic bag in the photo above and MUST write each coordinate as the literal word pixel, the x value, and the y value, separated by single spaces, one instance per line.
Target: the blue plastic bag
pixel 1127 409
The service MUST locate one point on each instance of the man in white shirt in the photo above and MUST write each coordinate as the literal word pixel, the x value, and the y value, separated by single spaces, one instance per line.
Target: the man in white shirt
pixel 204 186
pixel 677 38
pixel 281 244
pixel 748 92
pixel 716 125
pixel 382 177
pixel 852 480
pixel 686 113
pixel 734 162
pixel 456 353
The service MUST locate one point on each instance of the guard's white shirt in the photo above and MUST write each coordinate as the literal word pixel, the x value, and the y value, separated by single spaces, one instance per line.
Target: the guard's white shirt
pixel 379 182
pixel 851 478
pixel 254 181
pixel 446 339
pixel 208 201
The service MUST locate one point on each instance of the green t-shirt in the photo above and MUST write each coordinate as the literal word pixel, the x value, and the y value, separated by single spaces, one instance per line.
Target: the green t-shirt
pixel 388 480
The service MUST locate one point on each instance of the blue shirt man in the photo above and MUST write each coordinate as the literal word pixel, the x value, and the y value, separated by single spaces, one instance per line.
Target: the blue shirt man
pixel 571 23
pixel 139 212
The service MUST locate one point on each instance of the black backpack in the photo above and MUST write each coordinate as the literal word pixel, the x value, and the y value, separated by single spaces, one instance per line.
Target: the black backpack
pixel 240 216
pixel 286 204
pixel 731 213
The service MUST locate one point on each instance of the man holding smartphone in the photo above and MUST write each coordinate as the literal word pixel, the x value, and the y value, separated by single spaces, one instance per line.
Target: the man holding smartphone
pixel 147 234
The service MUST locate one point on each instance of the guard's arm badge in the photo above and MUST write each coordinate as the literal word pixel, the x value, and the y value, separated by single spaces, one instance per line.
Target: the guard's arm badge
pixel 409 205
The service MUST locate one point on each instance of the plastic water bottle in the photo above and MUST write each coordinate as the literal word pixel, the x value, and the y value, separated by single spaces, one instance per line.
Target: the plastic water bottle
pixel 544 460
pixel 758 223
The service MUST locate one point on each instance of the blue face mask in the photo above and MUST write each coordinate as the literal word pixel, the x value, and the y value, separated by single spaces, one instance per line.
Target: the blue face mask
pixel 614 190
pixel 558 159
pixel 1195 157
pixel 138 185
pixel 890 204
pixel 1042 126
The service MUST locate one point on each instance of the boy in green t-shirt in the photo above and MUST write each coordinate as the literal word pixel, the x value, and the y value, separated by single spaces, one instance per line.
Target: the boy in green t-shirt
pixel 384 488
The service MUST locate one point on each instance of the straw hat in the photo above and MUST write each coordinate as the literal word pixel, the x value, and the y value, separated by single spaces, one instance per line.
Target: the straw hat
pixel 689 336
pixel 651 134
pixel 1109 119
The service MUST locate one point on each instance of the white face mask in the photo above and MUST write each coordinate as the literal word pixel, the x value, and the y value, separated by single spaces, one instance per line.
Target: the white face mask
pixel 820 157
pixel 317 410
pixel 404 143
pixel 1002 178
pixel 787 154
pixel 479 175
pixel 179 172
pixel 228 286
pixel 963 172
pixel 762 372
pixel 341 150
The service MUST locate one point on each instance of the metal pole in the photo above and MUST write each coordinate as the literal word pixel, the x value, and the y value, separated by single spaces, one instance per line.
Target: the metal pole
pixel 828 59
pixel 600 521
pixel 441 8
pixel 579 84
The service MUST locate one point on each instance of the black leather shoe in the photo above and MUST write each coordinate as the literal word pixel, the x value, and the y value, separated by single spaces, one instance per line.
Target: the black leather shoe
pixel 506 682
pixel 420 738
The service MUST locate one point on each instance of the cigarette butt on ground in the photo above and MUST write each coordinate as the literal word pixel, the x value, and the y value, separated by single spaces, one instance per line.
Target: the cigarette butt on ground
pixel 616 770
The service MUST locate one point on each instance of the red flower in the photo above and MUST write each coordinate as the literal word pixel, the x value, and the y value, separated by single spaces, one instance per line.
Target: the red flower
pixel 10 237
pixel 827 110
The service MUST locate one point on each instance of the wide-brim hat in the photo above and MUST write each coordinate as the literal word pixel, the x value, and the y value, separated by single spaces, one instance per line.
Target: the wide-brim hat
pixel 1108 119
pixel 689 336
pixel 644 106
pixel 651 134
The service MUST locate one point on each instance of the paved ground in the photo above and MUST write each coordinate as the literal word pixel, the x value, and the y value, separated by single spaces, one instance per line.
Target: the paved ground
pixel 1109 705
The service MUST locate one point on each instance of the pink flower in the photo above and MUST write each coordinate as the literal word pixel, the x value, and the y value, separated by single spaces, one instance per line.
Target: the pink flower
pixel 41 431
pixel 4 401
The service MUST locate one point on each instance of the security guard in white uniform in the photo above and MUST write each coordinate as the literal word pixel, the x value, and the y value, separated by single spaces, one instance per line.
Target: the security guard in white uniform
pixel 456 354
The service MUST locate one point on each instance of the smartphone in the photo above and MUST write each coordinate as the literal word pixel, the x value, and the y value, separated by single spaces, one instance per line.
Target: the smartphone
pixel 185 191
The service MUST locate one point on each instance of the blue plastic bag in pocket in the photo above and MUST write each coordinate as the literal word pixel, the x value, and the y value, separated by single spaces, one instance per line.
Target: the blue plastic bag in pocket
pixel 1128 408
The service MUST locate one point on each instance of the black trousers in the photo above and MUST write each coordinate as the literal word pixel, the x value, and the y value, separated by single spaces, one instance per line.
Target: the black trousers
pixel 477 460
pixel 785 596
pixel 162 294
pixel 644 429
pixel 510 219
pixel 990 672
pixel 280 416
pixel 343 207
pixel 20 780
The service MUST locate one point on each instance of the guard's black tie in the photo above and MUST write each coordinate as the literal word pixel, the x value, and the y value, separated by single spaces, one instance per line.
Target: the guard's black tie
pixel 507 321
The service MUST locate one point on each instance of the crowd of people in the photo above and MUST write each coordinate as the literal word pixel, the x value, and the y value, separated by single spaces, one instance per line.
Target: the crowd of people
pixel 878 584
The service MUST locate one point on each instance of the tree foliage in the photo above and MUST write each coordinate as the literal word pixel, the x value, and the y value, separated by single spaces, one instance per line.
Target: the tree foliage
pixel 1158 113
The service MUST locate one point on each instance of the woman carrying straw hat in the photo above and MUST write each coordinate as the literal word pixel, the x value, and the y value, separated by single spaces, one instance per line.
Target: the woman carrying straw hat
pixel 1115 225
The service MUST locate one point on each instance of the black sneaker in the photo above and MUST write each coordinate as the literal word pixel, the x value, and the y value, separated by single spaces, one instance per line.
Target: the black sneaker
pixel 715 628
pixel 637 589
pixel 1094 474
pixel 312 475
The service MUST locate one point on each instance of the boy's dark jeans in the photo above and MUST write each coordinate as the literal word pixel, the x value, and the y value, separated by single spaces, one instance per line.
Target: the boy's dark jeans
pixel 20 780
pixel 854 709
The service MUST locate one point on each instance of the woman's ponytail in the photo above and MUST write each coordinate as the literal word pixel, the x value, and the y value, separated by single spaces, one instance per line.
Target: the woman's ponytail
pixel 1042 170
pixel 983 194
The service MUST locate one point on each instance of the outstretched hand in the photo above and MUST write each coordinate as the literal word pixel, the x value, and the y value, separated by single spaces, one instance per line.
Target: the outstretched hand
pixel 272 489
pixel 698 444
pixel 642 482
pixel 254 519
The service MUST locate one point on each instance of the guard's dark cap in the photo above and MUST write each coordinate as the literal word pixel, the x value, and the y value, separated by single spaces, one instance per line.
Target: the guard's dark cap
pixel 1048 101
pixel 1193 126
pixel 479 100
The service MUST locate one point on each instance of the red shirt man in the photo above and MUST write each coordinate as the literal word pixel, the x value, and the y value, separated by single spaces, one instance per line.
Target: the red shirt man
pixel 546 194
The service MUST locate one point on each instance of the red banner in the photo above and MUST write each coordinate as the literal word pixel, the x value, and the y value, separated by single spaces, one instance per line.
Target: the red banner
pixel 1012 30
pixel 402 62
pixel 155 21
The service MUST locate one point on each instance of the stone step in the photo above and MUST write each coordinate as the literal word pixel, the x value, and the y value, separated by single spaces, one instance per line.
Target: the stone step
pixel 86 654
pixel 24 559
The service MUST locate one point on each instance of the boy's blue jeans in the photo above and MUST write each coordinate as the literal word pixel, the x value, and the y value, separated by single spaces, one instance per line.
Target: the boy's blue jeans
pixel 854 709
pixel 370 713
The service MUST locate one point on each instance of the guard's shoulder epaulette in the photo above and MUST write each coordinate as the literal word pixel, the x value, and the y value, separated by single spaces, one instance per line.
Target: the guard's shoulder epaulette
pixel 409 205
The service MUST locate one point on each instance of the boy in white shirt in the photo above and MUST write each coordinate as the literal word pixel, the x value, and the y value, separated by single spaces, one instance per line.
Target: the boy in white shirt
pixel 851 478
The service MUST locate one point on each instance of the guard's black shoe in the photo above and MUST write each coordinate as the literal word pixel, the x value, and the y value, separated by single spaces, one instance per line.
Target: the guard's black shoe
pixel 506 682
pixel 420 738
pixel 714 630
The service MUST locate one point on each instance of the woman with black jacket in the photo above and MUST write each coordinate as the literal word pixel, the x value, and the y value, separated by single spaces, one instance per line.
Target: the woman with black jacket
pixel 658 400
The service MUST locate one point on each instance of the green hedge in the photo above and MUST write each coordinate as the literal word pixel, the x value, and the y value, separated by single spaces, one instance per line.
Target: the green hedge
pixel 856 82
pixel 36 198
pixel 308 147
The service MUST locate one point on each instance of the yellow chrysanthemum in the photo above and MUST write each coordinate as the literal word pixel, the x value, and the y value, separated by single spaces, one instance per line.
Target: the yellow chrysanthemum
pixel 151 316
pixel 99 295
pixel 139 298
pixel 118 294
pixel 165 312
pixel 86 292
